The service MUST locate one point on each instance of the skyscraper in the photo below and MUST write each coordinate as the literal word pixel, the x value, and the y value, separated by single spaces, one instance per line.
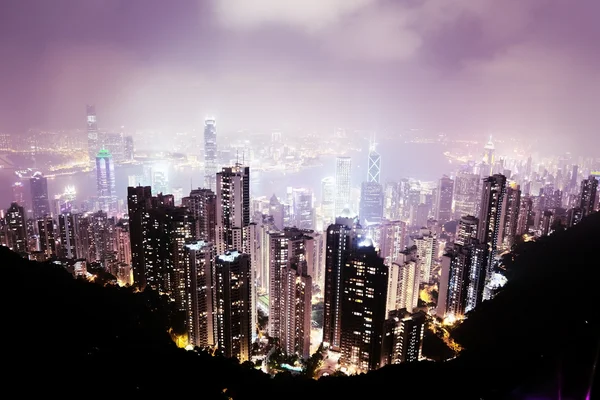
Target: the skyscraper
pixel 466 194
pixel 129 150
pixel 233 209
pixel 509 216
pixel 365 280
pixel 47 241
pixel 92 133
pixel 403 340
pixel 371 203
pixel 488 157
pixel 328 200
pixel 427 248
pixel 404 279
pixel 67 235
pixel 466 230
pixel 16 229
pixel 39 195
pixel 277 212
pixel 105 182
pixel 342 184
pixel 587 199
pixel 374 165
pixel 492 197
pixel 232 293
pixel 138 202
pixel 18 192
pixel 210 152
pixel 444 200
pixel 304 217
pixel 202 204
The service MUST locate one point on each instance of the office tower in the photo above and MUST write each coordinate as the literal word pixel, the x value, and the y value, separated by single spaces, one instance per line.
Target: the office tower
pixel 342 184
pixel 276 211
pixel 199 292
pixel 39 195
pixel 493 191
pixel 374 165
pixel 466 194
pixel 115 144
pixel 67 235
pixel 18 192
pixel 427 248
pixel 129 150
pixel 403 282
pixel 105 182
pixel 16 229
pixel 303 209
pixel 92 133
pixel 292 264
pixel 509 216
pixel 328 189
pixel 392 201
pixel 371 203
pixel 47 242
pixel 392 240
pixel 444 200
pixel 232 304
pixel 466 230
pixel 525 215
pixel 403 340
pixel 233 209
pixel 210 153
pixel 138 202
pixel 488 157
pixel 202 204
pixel 587 198
pixel 365 281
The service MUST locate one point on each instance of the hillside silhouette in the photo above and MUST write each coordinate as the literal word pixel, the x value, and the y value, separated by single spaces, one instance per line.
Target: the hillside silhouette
pixel 72 337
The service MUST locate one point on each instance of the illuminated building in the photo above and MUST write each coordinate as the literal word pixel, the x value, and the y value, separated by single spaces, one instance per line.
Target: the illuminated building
pixel 466 230
pixel 16 230
pixel 202 204
pixel 210 153
pixel 199 292
pixel 371 203
pixel 547 221
pixel 67 234
pixel 102 239
pixel 47 242
pixel 403 339
pixel 304 217
pixel 115 144
pixel 105 182
pixel 443 207
pixel 365 280
pixel 328 200
pixel 587 197
pixel 488 157
pixel 138 201
pixel 232 310
pixel 180 232
pixel 277 212
pixel 392 201
pixel 374 165
pixel 403 282
pixel 509 216
pixel 343 168
pixel 466 194
pixel 18 191
pixel 525 215
pixel 123 244
pixel 39 195
pixel 391 240
pixel 92 133
pixel 492 197
pixel 233 209
pixel 129 150
pixel 427 248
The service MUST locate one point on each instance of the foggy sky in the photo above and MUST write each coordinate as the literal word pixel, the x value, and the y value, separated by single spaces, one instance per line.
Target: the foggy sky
pixel 529 67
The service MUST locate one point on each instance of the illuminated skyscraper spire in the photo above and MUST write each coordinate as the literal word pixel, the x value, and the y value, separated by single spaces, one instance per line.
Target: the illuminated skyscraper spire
pixel 210 153
pixel 374 170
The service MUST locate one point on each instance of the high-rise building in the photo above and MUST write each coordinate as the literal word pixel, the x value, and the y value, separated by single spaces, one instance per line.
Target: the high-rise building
pixel 525 215
pixel 488 157
pixel 68 235
pixel 466 194
pixel 304 217
pixel 392 201
pixel 365 281
pixel 328 200
pixel 403 282
pixel 202 204
pixel 102 243
pixel 180 232
pixel 391 240
pixel 427 248
pixel 490 211
pixel 343 199
pixel 122 242
pixel 92 133
pixel 466 230
pixel 16 229
pixel 129 151
pixel 403 340
pixel 232 310
pixel 39 195
pixel 47 241
pixel 199 292
pixel 374 165
pixel 18 192
pixel 509 216
pixel 587 199
pixel 277 212
pixel 210 153
pixel 371 203
pixel 138 202
pixel 444 200
pixel 105 182
pixel 233 209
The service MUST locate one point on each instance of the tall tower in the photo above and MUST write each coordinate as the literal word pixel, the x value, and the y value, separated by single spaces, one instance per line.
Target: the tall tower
pixel 303 209
pixel 403 282
pixel 68 241
pixel 589 191
pixel 328 200
pixel 92 133
pixel 365 280
pixel 46 236
pixel 105 182
pixel 199 292
pixel 444 200
pixel 16 228
pixel 371 202
pixel 488 157
pixel 233 209
pixel 342 184
pixel 39 195
pixel 210 152
pixel 202 204
pixel 490 211
pixel 232 305
pixel 374 166
pixel 466 191
pixel 510 216
pixel 138 202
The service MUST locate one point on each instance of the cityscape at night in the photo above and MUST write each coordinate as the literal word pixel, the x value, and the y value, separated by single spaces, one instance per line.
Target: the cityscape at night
pixel 300 199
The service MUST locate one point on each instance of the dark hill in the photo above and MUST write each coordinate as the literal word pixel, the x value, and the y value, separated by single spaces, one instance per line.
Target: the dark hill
pixel 70 337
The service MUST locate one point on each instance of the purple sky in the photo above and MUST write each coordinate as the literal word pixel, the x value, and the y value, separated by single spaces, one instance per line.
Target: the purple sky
pixel 488 66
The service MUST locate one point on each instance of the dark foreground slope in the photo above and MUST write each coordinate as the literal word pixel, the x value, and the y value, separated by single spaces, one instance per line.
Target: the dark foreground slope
pixel 71 337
